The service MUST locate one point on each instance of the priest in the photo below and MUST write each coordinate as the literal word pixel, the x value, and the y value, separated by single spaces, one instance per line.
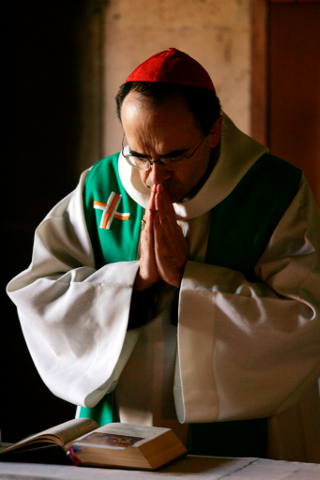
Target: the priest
pixel 179 284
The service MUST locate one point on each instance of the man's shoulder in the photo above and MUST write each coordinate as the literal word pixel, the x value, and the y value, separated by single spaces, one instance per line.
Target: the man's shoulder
pixel 110 162
pixel 269 160
pixel 103 179
pixel 273 172
pixel 104 170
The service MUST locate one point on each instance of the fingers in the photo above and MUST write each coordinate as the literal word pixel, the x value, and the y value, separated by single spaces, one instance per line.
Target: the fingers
pixel 170 246
pixel 163 248
pixel 163 204
pixel 148 216
pixel 151 203
pixel 148 273
pixel 164 218
pixel 164 213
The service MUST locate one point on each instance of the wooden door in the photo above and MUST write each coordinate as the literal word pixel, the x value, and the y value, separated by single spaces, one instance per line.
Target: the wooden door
pixel 285 115
pixel 286 82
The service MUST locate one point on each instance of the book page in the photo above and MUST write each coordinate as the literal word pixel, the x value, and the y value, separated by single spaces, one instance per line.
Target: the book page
pixel 65 432
pixel 59 434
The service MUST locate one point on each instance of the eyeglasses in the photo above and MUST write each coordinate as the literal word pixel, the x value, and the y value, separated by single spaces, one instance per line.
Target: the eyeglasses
pixel 143 162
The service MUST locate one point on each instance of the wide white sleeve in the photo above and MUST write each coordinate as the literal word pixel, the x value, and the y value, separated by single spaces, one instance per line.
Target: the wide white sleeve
pixel 247 350
pixel 74 317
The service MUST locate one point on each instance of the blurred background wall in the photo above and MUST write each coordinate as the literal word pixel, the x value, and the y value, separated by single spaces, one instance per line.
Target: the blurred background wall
pixel 215 32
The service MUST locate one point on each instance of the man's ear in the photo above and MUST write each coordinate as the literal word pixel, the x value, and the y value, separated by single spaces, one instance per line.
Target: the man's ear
pixel 215 133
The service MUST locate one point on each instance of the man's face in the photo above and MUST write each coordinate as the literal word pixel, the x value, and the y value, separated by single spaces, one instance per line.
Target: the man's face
pixel 165 131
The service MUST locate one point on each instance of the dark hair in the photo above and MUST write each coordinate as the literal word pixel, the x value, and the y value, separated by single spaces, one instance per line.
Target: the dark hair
pixel 203 103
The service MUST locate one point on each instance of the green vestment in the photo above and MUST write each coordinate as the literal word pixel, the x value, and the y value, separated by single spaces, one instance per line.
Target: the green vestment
pixel 240 229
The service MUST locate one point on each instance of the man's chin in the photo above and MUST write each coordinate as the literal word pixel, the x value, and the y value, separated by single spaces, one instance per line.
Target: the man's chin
pixel 175 193
pixel 174 198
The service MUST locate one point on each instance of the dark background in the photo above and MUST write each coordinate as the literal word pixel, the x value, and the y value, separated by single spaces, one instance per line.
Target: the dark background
pixel 39 168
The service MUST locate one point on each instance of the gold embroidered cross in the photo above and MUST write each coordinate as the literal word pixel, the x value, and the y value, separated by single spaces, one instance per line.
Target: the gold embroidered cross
pixel 109 210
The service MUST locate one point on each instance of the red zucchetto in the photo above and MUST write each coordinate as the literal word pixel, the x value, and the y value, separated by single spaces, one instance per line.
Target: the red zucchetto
pixel 172 66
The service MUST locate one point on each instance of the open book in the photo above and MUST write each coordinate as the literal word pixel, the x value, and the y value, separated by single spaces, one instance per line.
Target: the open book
pixel 81 442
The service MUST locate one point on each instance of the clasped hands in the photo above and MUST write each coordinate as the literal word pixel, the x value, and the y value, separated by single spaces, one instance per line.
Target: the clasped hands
pixel 163 248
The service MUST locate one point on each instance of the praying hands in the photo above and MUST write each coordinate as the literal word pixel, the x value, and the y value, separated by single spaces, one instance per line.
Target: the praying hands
pixel 163 249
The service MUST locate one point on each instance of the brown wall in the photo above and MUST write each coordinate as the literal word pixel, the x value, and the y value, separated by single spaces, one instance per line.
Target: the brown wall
pixel 285 82
pixel 294 92
pixel 215 32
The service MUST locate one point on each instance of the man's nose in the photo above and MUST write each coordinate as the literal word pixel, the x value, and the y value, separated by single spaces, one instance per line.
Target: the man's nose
pixel 158 173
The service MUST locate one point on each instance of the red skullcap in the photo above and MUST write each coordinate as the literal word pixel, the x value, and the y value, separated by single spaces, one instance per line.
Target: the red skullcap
pixel 172 66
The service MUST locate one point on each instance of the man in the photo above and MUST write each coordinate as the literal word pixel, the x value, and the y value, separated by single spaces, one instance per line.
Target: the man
pixel 181 275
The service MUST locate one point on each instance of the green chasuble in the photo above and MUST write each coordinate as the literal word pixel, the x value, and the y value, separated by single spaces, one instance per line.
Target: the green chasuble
pixel 240 229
